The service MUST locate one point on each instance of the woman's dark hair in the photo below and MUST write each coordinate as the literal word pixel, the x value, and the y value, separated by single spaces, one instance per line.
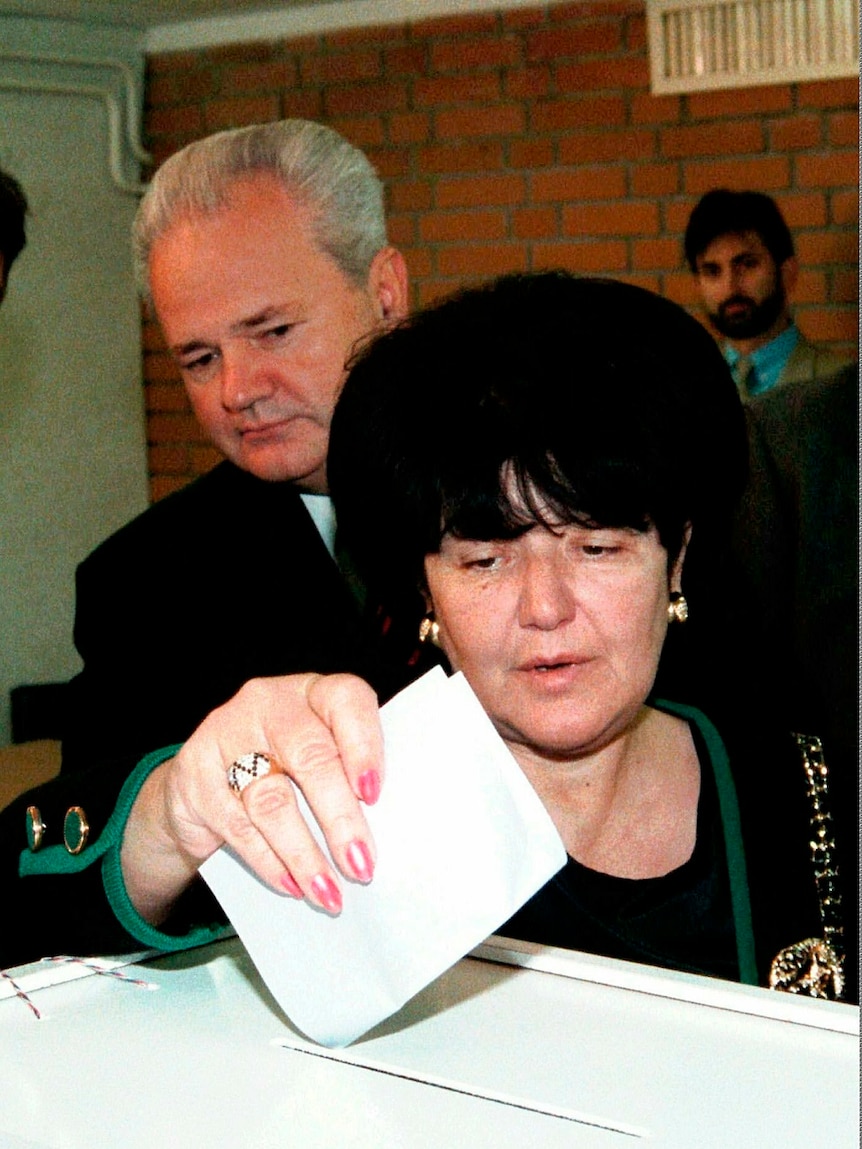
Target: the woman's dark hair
pixel 609 406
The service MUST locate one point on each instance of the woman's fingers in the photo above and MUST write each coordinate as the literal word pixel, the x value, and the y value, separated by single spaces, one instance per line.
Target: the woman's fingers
pixel 321 733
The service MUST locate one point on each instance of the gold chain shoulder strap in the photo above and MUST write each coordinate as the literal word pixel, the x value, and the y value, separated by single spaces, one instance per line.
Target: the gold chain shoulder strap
pixel 815 966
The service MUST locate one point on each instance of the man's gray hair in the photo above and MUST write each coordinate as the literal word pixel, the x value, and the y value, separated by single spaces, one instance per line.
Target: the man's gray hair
pixel 317 166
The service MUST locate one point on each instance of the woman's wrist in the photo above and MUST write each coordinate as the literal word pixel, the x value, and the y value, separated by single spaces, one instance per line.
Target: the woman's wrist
pixel 156 869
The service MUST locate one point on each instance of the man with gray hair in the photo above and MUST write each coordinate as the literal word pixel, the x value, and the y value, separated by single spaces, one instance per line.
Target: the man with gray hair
pixel 263 254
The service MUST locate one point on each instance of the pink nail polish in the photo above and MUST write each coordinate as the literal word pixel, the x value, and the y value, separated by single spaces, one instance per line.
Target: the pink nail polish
pixel 360 860
pixel 369 787
pixel 327 893
pixel 290 885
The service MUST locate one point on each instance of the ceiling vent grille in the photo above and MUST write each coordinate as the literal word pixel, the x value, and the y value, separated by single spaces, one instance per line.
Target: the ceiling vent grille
pixel 703 44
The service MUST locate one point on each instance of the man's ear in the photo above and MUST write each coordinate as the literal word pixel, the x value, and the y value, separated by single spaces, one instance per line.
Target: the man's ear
pixel 675 573
pixel 789 272
pixel 388 283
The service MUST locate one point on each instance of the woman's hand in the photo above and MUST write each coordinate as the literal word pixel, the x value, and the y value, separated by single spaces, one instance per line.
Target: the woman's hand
pixel 324 733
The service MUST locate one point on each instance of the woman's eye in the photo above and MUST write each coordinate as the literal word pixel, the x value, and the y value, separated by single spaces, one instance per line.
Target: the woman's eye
pixel 483 563
pixel 273 334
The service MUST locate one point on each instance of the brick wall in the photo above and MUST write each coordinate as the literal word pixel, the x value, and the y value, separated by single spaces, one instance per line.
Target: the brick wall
pixel 521 140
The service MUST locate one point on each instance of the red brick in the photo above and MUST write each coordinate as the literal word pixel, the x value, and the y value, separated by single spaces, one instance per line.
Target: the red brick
pixel 160 368
pixel 342 67
pixel 485 155
pixel 845 287
pixel 535 222
pixel 409 127
pixel 599 144
pixel 256 77
pixel 586 40
pixel 681 287
pixel 829 94
pixel 765 173
pixel 179 88
pixel 795 132
pixel 162 485
pixel 595 258
pixel 389 163
pixel 371 97
pixel 237 113
pixel 611 219
pixel 174 428
pixel 531 153
pixel 185 119
pixel 676 216
pixel 405 60
pixel 844 129
pixel 802 209
pixel 502 120
pixel 473 55
pixel 829 325
pixel 482 87
pixel 721 139
pixel 168 460
pixel 734 102
pixel 578 112
pixel 402 230
pixel 480 191
pixel 363 131
pixel 304 105
pixel 655 179
pixel 649 109
pixel 151 335
pixel 829 169
pixel 627 72
pixel 827 249
pixel 413 195
pixel 528 83
pixel 810 287
pixel 844 207
pixel 661 254
pixel 461 226
pixel 166 397
pixel 636 33
pixel 481 260
pixel 440 27
pixel 418 262
pixel 579 183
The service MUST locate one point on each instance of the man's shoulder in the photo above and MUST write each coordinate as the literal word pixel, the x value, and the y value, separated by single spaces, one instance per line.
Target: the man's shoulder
pixel 205 507
pixel 809 360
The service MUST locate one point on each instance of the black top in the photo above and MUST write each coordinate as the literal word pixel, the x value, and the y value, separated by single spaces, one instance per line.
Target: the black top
pixel 681 920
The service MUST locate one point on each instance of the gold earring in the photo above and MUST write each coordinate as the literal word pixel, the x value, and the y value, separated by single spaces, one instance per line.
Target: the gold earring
pixel 677 608
pixel 429 630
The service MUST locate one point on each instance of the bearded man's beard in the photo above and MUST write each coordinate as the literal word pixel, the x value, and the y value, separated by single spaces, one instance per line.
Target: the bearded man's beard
pixel 751 318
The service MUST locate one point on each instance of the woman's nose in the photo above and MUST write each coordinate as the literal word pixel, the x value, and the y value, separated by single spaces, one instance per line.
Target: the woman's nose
pixel 547 594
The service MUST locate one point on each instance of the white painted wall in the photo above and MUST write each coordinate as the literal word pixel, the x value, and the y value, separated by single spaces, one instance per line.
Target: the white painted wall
pixel 72 438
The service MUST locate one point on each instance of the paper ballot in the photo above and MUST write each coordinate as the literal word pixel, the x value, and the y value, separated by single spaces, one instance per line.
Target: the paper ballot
pixel 462 842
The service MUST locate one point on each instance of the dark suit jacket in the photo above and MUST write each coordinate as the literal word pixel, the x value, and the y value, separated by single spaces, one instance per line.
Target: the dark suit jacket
pixel 226 580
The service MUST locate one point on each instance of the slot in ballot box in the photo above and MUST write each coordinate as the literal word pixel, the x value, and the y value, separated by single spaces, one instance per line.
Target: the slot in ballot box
pixel 515 1045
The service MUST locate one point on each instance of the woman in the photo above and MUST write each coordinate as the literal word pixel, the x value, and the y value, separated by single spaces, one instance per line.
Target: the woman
pixel 531 474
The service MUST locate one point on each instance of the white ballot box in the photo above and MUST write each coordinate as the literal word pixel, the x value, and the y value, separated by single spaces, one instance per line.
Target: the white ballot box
pixel 516 1045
